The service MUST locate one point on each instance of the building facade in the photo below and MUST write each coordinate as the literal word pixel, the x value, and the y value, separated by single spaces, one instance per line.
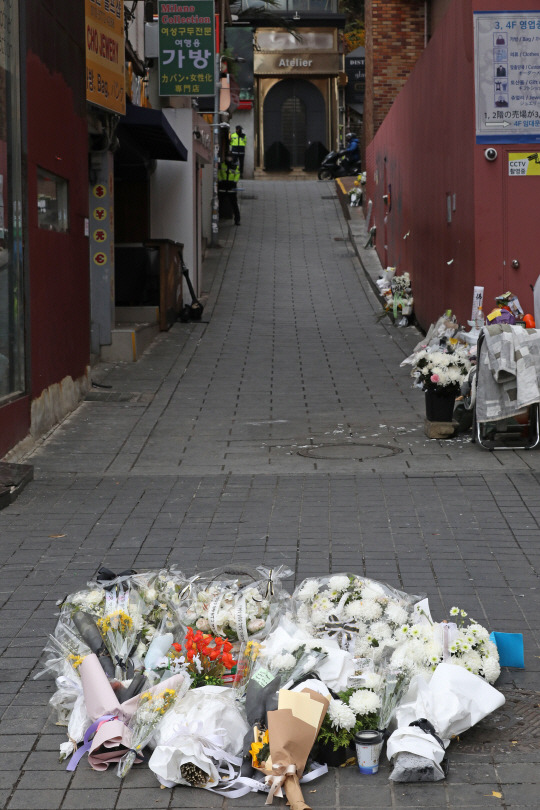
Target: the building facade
pixel 297 113
pixel 452 184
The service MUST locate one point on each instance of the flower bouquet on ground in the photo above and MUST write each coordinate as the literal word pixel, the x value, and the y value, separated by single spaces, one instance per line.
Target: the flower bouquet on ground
pixel 355 193
pixel 430 715
pixel 436 370
pixel 292 730
pixel 152 707
pixel 426 644
pixel 225 606
pixel 200 743
pixel 354 709
pixel 361 614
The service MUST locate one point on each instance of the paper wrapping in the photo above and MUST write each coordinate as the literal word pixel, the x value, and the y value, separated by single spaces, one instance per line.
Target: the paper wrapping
pixel 292 731
pixel 113 737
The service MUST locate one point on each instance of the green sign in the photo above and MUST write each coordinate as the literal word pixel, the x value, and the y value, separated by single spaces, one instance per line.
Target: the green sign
pixel 187 54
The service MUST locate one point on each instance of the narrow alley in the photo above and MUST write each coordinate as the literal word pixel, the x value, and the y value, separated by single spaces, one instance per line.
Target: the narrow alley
pixel 278 429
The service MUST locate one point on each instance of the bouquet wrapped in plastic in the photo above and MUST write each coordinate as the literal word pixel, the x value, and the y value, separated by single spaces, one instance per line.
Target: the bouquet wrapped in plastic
pixel 200 743
pixel 363 615
pixel 239 607
pixel 431 714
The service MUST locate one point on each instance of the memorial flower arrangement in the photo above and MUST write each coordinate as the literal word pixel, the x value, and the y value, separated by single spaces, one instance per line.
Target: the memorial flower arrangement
pixel 436 370
pixel 355 193
pixel 123 680
pixel 237 611
pixel 150 711
pixel 352 711
pixel 362 614
pixel 424 646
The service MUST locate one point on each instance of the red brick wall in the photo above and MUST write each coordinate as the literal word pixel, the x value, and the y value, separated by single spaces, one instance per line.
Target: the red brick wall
pixel 395 38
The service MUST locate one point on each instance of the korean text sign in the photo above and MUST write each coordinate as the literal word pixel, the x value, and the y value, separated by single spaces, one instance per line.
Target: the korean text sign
pixel 186 48
pixel 507 76
pixel 105 54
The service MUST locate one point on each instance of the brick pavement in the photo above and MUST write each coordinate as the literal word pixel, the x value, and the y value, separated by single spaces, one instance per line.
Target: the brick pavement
pixel 241 438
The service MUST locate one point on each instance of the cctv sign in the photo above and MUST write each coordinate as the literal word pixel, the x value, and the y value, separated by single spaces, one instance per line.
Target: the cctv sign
pixel 524 164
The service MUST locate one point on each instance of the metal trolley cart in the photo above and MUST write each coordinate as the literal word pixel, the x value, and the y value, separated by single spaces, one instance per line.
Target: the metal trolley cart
pixel 499 428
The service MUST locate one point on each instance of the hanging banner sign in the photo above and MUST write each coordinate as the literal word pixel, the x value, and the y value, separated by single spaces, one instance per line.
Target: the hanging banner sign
pixel 105 54
pixel 507 76
pixel 187 50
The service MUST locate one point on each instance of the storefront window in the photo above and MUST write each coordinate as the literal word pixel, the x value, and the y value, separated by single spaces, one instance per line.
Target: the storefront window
pixel 11 287
pixel 52 201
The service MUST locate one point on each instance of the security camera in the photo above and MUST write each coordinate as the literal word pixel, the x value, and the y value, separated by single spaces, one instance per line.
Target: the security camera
pixel 490 154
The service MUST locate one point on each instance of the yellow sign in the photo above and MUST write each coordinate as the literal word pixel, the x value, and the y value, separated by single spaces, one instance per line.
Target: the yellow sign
pixel 105 54
pixel 524 164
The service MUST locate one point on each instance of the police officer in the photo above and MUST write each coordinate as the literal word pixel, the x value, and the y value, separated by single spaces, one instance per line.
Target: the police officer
pixel 238 147
pixel 228 177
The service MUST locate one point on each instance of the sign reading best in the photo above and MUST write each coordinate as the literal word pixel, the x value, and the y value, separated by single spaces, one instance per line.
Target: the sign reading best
pixel 105 49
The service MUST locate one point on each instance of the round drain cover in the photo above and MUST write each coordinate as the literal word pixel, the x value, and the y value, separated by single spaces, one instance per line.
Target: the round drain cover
pixel 357 451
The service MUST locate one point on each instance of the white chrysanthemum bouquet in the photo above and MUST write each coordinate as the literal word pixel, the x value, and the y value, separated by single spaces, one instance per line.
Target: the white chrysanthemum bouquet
pixel 439 369
pixel 362 614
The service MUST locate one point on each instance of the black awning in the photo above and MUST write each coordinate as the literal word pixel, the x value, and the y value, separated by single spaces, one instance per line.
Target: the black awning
pixel 153 133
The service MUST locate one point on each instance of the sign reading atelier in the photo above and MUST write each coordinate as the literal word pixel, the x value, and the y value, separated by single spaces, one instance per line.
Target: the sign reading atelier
pixel 186 48
pixel 105 54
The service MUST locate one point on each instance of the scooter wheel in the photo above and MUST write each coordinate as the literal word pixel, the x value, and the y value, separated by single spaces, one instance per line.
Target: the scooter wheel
pixel 325 174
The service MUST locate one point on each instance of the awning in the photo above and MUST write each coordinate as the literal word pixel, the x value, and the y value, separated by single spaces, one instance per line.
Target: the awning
pixel 153 133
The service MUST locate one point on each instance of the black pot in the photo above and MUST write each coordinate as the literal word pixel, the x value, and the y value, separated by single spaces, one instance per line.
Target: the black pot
pixel 324 753
pixel 440 404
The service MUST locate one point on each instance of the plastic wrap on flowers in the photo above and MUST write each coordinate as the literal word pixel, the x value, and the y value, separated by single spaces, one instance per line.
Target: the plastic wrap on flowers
pixel 363 615
pixel 200 743
pixel 431 714
pixel 238 606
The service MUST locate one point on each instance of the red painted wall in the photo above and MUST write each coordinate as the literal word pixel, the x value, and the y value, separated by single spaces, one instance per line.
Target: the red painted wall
pixel 425 150
pixel 57 141
pixel 422 152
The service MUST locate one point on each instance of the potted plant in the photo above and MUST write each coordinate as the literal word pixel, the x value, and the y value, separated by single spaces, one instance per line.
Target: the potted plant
pixel 440 375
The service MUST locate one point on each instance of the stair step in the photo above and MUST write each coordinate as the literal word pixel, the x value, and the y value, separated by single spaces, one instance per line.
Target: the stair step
pixel 128 342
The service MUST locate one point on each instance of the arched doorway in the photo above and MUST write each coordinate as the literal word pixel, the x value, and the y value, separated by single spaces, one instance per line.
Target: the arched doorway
pixel 293 119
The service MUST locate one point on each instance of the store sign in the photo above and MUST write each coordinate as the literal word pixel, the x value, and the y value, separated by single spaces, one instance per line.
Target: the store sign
pixel 507 76
pixel 105 54
pixel 355 66
pixel 524 164
pixel 187 55
pixel 275 64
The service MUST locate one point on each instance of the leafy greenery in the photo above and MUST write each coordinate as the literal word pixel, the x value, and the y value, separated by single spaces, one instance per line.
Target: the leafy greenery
pixel 342 737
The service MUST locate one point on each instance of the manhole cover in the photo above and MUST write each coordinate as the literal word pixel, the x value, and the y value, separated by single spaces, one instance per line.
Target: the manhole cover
pixel 515 726
pixel 356 452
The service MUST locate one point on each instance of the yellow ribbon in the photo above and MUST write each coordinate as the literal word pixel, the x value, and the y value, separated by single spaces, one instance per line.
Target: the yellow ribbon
pixel 277 778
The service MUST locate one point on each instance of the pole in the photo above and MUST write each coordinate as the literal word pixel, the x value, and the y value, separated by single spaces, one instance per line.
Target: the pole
pixel 215 167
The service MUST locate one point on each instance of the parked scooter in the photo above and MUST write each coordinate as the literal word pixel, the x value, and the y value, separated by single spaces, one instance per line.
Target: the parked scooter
pixel 336 164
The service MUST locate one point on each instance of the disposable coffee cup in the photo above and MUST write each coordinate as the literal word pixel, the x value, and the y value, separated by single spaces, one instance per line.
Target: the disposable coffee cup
pixel 368 749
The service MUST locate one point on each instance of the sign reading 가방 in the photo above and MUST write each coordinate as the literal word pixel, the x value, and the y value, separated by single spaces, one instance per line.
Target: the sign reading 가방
pixel 186 48
pixel 507 76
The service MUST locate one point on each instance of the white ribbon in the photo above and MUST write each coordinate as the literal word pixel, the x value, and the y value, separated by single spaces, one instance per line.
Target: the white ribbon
pixel 211 745
pixel 277 778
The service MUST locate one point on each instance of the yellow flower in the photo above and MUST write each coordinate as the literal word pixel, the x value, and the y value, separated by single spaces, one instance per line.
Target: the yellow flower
pixel 76 660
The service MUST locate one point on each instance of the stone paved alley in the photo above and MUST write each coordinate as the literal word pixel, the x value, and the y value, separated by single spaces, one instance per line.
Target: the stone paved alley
pixel 280 429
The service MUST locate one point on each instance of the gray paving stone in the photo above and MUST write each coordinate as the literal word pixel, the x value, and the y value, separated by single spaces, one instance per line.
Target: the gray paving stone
pixel 206 470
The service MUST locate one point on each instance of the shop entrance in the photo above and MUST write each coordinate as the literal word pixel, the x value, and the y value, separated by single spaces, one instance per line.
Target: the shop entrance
pixel 294 120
